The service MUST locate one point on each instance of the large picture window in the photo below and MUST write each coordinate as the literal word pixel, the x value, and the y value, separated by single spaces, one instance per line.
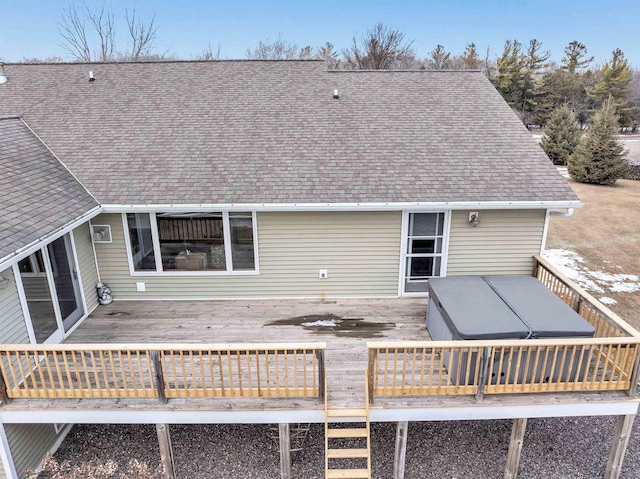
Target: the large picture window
pixel 424 250
pixel 192 242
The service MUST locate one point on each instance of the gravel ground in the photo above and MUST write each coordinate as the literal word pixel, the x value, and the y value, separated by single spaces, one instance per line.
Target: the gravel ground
pixel 553 447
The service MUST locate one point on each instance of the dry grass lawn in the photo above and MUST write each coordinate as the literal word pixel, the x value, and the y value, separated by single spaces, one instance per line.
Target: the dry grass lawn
pixel 607 229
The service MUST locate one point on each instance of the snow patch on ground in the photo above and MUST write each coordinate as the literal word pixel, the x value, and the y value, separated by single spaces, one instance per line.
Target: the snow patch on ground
pixel 607 300
pixel 572 265
pixel 324 323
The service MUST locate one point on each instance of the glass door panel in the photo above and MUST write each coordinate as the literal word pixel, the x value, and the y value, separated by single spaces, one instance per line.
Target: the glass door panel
pixel 65 279
pixel 38 296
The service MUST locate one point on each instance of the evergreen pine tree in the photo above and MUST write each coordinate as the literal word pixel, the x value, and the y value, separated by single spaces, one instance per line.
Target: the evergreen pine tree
pixel 469 59
pixel 561 135
pixel 575 57
pixel 614 81
pixel 600 158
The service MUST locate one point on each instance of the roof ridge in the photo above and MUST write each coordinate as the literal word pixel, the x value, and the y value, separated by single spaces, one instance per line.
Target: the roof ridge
pixel 139 62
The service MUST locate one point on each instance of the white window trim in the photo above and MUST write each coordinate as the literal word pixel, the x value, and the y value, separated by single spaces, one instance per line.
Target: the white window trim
pixel 158 257
pixel 446 230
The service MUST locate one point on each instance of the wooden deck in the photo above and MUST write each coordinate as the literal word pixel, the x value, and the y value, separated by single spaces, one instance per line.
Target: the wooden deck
pixel 275 321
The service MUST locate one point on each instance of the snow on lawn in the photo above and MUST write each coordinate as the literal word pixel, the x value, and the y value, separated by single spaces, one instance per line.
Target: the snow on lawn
pixel 573 266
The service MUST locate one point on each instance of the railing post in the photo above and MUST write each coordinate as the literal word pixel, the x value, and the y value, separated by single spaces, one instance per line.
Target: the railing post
pixel 371 368
pixel 536 265
pixel 158 375
pixel 4 394
pixel 321 373
pixel 485 356
pixel 635 373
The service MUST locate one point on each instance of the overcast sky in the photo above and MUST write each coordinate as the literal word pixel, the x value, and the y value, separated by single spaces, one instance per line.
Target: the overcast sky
pixel 186 27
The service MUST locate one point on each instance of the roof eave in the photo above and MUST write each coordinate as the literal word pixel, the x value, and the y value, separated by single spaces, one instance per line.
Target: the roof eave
pixel 382 206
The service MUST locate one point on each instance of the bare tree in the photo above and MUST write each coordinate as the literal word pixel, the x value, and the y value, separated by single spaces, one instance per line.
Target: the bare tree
pixel 279 49
pixel 90 35
pixel 208 54
pixel 380 48
pixel 142 33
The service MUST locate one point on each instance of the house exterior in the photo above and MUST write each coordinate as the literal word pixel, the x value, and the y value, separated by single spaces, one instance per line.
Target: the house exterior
pixel 251 180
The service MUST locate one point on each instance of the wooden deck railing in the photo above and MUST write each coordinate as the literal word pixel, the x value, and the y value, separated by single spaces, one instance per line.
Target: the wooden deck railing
pixel 606 322
pixel 502 366
pixel 162 371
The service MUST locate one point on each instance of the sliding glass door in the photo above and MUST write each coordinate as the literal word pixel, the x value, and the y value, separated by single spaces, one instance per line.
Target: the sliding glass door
pixel 52 290
pixel 65 278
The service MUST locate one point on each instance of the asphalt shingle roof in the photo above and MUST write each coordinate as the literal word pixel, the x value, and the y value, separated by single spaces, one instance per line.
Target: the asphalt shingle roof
pixel 38 195
pixel 270 132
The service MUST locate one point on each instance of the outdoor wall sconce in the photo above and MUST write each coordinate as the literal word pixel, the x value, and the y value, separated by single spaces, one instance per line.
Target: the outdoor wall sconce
pixel 474 218
pixel 4 283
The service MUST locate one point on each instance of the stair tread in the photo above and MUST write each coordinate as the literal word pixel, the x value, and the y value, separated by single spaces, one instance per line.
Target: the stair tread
pixel 347 453
pixel 347 432
pixel 347 412
pixel 348 474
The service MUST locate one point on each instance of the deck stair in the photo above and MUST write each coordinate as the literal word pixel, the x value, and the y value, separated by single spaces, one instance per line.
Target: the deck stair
pixel 347 443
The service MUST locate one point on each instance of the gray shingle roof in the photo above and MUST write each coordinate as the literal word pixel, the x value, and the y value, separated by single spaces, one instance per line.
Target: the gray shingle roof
pixel 270 132
pixel 38 195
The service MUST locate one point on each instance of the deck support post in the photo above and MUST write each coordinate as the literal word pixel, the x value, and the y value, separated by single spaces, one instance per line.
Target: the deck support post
pixel 401 449
pixel 166 451
pixel 158 375
pixel 285 451
pixel 515 448
pixel 619 446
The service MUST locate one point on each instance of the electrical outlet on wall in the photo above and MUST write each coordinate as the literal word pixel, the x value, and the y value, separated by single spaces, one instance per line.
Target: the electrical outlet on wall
pixel 323 273
pixel 141 287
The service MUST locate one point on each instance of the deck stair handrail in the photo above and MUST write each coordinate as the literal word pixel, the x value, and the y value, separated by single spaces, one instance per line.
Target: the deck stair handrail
pixel 162 371
pixel 606 322
pixel 419 368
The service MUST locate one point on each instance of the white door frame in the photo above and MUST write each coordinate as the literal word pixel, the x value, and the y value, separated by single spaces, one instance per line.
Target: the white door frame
pixel 446 231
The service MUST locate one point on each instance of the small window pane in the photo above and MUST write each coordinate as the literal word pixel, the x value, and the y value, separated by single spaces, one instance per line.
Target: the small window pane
pixel 424 224
pixel 25 266
pixel 192 241
pixel 420 267
pixel 241 225
pixel 423 246
pixel 440 224
pixel 140 236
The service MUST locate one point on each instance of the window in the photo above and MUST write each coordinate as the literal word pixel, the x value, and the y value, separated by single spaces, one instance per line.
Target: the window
pixel 32 265
pixel 192 242
pixel 141 241
pixel 425 242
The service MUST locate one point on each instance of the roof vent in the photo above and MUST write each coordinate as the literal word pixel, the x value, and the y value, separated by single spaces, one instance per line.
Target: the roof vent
pixel 335 95
pixel 3 75
pixel 91 77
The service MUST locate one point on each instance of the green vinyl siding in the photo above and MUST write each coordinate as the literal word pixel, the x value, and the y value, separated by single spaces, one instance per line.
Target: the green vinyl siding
pixel 28 444
pixel 503 243
pixel 360 250
pixel 13 328
pixel 86 264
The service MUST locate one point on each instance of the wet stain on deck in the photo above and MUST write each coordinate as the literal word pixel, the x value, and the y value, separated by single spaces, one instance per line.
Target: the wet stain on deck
pixel 337 325
pixel 118 313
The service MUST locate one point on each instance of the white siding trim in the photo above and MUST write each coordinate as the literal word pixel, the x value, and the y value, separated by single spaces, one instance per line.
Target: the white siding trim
pixel 226 237
pixel 403 252
pixel 545 230
pixel 23 303
pixel 93 248
pixel 256 259
pixel 417 206
pixel 5 454
pixel 445 246
pixel 80 286
pixel 255 298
